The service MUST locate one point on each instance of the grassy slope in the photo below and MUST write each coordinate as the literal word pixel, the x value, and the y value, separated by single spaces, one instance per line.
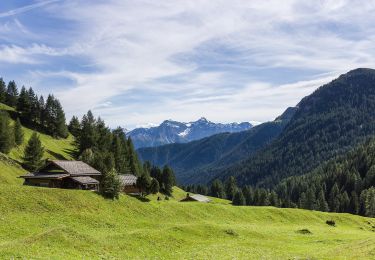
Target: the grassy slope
pixel 53 223
pixel 45 223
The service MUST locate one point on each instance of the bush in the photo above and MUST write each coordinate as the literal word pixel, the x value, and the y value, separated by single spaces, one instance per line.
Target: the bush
pixel 304 231
pixel 331 223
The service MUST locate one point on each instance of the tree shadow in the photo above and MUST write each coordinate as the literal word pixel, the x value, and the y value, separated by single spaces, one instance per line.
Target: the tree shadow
pixel 72 152
pixel 56 155
pixel 140 198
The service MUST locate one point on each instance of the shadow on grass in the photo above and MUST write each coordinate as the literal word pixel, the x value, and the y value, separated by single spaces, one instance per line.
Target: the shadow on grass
pixel 56 155
pixel 72 152
pixel 140 198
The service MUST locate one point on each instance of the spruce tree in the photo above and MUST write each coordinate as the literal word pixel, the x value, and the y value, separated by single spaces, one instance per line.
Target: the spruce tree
pixel 370 202
pixel 74 126
pixel 143 183
pixel 33 153
pixel 110 185
pixel 6 133
pixel 168 180
pixel 217 189
pixel 3 91
pixel 154 186
pixel 12 94
pixel 23 105
pixel 239 199
pixel 322 204
pixel 230 187
pixel 60 121
pixel 18 132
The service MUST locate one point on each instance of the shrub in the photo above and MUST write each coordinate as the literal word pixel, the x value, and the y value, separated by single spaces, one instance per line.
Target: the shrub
pixel 331 223
pixel 304 231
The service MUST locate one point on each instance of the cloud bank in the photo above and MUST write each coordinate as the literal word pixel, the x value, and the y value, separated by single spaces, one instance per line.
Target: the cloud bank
pixel 140 61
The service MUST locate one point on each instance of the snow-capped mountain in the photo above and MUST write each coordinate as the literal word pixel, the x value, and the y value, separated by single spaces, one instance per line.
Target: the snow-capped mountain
pixel 176 132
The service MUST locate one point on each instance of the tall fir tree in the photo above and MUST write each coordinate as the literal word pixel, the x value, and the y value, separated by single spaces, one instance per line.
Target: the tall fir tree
pixel 12 94
pixel 74 126
pixel 230 187
pixel 3 91
pixel 18 132
pixel 239 199
pixel 6 133
pixel 110 185
pixel 34 151
pixel 168 180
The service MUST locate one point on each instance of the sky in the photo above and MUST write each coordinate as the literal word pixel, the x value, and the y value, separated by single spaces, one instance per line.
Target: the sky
pixel 139 62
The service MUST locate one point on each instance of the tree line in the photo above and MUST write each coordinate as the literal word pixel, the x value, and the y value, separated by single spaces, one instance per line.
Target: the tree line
pixel 47 116
pixel 344 184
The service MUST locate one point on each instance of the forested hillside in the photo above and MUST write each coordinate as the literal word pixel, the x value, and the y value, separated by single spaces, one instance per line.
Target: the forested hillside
pixel 335 118
pixel 197 161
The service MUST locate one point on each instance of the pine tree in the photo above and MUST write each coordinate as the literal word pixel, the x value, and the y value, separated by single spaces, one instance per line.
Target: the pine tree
pixel 217 189
pixel 6 133
pixel 110 185
pixel 322 204
pixel 3 91
pixel 34 106
pixel 61 128
pixel 154 186
pixel 168 180
pixel 143 183
pixel 33 153
pixel 12 94
pixel 273 199
pixel 74 126
pixel 370 202
pixel 18 132
pixel 230 187
pixel 249 195
pixel 239 199
pixel 23 105
pixel 42 111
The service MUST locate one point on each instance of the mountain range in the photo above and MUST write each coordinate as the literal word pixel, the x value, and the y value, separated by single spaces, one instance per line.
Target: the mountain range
pixel 334 119
pixel 176 132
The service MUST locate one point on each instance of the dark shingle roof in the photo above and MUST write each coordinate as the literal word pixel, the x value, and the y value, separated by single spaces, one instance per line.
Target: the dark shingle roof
pixel 128 179
pixel 76 167
pixel 40 175
pixel 85 180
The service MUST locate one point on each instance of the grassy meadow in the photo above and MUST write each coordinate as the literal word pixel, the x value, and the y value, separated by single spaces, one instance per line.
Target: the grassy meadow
pixel 43 223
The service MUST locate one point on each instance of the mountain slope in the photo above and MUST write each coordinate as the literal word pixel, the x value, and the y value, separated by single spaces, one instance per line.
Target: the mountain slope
pixel 177 132
pixel 194 162
pixel 333 119
pixel 73 224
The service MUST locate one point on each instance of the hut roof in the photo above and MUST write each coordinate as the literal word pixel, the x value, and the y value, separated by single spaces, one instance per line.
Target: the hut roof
pixel 75 167
pixel 40 175
pixel 196 197
pixel 85 180
pixel 128 179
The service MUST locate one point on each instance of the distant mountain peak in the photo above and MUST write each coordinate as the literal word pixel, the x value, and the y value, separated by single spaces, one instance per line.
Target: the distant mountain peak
pixel 170 131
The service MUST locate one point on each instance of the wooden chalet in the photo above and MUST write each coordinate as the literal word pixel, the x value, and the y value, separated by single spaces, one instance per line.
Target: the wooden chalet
pixel 195 197
pixel 129 183
pixel 65 174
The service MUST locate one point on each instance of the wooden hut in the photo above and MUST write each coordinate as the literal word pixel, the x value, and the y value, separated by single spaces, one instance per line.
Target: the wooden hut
pixel 65 174
pixel 129 183
pixel 195 197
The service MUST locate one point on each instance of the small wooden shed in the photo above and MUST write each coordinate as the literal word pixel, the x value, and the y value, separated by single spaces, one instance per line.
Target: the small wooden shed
pixel 129 183
pixel 195 197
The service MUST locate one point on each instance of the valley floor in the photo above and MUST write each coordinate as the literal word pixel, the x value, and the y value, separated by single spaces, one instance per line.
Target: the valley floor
pixel 42 223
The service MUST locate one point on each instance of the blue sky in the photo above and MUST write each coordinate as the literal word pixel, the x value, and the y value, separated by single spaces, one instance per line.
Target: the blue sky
pixel 139 62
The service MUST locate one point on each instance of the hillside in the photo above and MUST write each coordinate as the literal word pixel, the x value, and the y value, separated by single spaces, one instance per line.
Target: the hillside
pixel 335 118
pixel 69 224
pixel 177 132
pixel 193 162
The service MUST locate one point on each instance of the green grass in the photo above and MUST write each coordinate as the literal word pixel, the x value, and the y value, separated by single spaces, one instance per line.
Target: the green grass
pixel 69 224
pixel 43 223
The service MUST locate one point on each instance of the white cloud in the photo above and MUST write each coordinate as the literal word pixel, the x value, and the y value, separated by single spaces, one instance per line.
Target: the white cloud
pixel 198 58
